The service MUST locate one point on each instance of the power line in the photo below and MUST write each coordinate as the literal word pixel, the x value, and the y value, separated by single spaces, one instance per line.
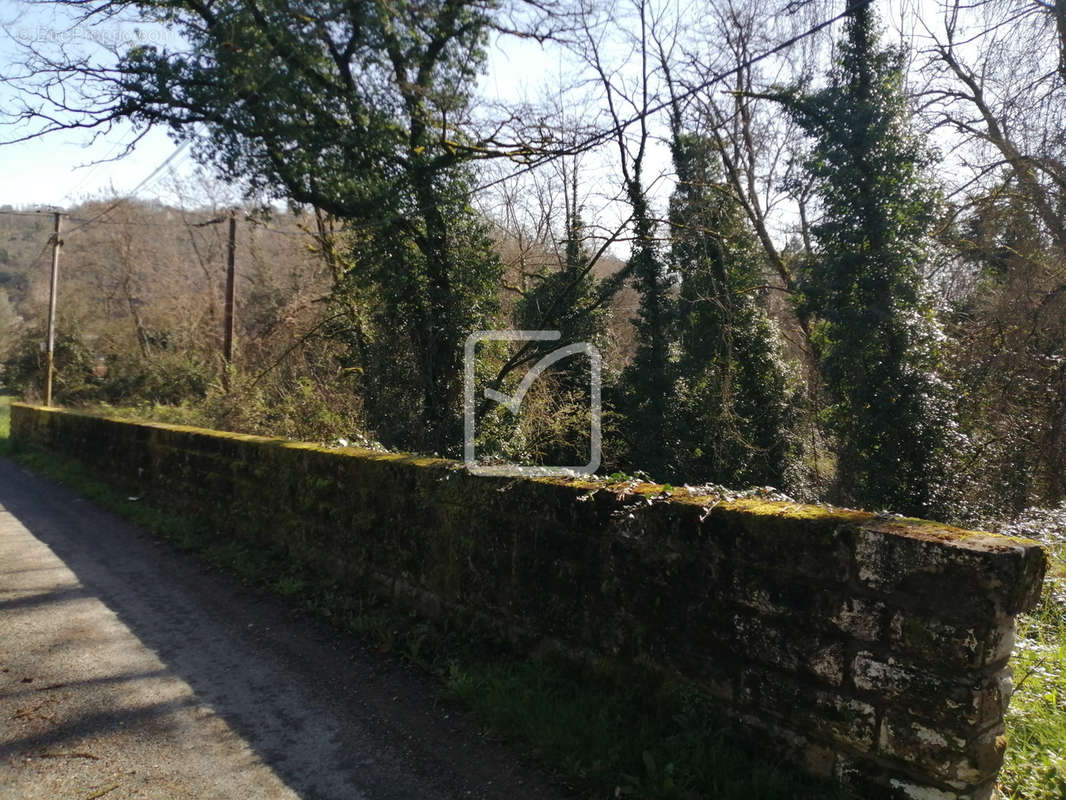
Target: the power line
pixel 36 214
pixel 582 146
pixel 279 231
pixel 96 165
pixel 602 136
pixel 139 223
pixel 162 166
pixel 95 220
pixel 135 189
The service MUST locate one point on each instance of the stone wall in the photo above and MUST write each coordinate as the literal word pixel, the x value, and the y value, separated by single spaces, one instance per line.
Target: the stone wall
pixel 870 650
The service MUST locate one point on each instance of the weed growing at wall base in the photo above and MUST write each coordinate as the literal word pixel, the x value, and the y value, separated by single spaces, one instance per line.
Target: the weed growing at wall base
pixel 5 422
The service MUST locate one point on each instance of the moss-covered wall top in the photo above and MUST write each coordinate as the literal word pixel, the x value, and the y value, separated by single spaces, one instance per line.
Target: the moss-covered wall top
pixel 870 649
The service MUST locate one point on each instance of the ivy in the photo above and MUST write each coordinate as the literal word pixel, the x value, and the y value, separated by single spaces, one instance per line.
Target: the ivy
pixel 877 339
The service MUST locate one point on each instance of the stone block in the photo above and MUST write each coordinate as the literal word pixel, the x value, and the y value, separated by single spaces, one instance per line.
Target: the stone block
pixel 909 790
pixel 791 649
pixel 828 608
pixel 969 574
pixel 941 753
pixel 814 758
pixel 822 714
pixel 819 549
pixel 970 699
pixel 931 640
pixel 860 617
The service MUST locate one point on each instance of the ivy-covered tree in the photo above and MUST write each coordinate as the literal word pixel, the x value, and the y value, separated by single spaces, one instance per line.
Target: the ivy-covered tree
pixel 415 312
pixel 731 414
pixel 642 394
pixel 876 333
pixel 647 380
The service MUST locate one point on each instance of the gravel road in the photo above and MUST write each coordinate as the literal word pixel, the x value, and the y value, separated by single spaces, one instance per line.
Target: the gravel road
pixel 129 670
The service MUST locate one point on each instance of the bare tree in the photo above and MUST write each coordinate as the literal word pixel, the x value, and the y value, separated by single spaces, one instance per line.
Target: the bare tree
pixel 996 82
pixel 997 79
pixel 760 147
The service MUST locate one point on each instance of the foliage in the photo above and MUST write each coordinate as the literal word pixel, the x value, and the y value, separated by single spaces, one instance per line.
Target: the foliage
pixel 732 411
pixel 5 421
pixel 407 316
pixel 74 361
pixel 877 337
pixel 301 409
pixel 646 382
pixel 553 427
pixel 9 321
pixel 83 375
pixel 356 111
pixel 328 105
pixel 569 298
pixel 168 379
pixel 1007 328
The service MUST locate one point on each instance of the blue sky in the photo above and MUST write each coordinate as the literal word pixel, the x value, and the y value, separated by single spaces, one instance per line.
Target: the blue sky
pixel 59 169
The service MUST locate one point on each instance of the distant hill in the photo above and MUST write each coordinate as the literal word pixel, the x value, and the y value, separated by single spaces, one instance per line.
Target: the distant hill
pixel 23 239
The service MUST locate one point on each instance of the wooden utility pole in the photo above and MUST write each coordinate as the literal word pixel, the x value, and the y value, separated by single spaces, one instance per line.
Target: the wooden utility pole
pixel 50 357
pixel 231 257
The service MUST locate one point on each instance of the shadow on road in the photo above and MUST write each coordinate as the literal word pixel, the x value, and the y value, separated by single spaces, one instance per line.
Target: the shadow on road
pixel 332 718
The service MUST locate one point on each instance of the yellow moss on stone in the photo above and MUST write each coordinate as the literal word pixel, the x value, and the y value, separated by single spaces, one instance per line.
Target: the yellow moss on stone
pixel 753 506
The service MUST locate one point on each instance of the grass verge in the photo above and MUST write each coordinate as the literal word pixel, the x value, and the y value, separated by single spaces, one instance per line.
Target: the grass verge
pixel 5 423
pixel 1035 766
